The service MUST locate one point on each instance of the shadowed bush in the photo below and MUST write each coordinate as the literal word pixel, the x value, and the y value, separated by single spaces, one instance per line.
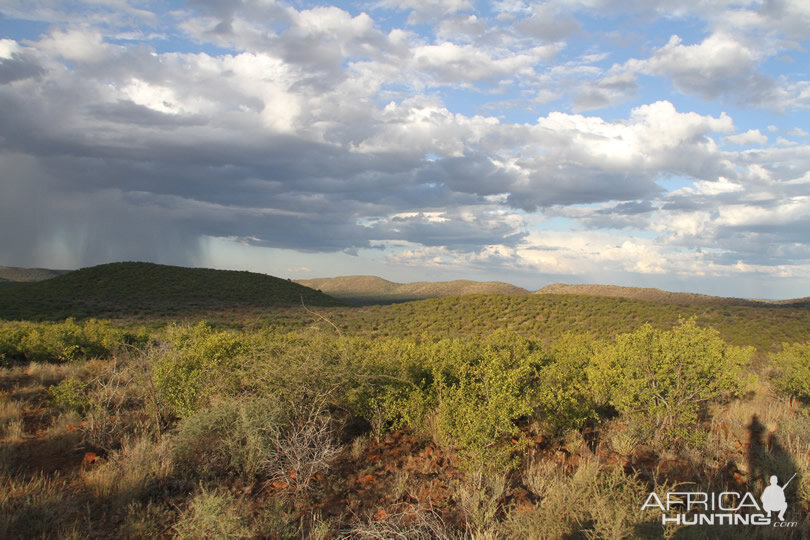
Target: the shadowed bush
pixel 230 438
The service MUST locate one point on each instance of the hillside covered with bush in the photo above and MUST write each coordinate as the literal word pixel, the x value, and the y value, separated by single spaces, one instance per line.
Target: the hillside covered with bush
pixel 366 290
pixel 133 289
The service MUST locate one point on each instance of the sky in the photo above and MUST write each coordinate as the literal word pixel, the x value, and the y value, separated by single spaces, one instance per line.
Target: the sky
pixel 630 142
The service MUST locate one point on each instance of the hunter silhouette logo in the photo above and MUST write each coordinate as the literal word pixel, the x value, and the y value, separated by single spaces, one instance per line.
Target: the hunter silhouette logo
pixel 726 508
pixel 773 497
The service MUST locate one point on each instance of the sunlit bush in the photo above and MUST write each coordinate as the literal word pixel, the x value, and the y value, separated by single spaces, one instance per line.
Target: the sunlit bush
pixel 202 363
pixel 562 395
pixel 662 378
pixel 69 395
pixel 58 342
pixel 480 395
pixel 791 369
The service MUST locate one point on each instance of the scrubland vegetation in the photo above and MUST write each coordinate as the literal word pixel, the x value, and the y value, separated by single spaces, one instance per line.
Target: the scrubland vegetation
pixel 415 424
pixel 286 415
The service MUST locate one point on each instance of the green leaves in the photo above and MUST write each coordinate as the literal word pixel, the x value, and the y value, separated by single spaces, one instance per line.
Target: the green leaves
pixel 70 395
pixel 59 342
pixel 563 395
pixel 478 407
pixel 662 378
pixel 791 369
pixel 203 362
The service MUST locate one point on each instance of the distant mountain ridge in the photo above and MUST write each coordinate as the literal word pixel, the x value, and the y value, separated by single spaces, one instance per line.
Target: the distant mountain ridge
pixel 368 290
pixel 655 295
pixel 120 289
pixel 19 274
pixel 376 290
pixel 126 288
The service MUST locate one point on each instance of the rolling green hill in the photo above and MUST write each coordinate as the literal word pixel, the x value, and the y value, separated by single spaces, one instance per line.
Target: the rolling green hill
pixel 368 290
pixel 150 290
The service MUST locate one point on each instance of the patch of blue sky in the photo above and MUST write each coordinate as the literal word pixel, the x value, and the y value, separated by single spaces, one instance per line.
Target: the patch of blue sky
pixel 20 30
pixel 184 45
pixel 674 182
pixel 792 64
pixel 521 111
pixel 354 8
pixel 470 101
pixel 556 223
pixel 640 33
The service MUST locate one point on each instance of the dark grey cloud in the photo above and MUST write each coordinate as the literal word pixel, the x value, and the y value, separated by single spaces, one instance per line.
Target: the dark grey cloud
pixel 19 67
pixel 627 215
pixel 451 232
pixel 129 113
pixel 574 184
pixel 168 178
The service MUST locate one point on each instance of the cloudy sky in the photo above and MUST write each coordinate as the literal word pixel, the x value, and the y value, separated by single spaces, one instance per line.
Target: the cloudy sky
pixel 634 142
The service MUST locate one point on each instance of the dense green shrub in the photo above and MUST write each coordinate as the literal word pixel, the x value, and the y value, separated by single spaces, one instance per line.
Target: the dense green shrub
pixel 392 383
pixel 480 395
pixel 562 395
pixel 58 342
pixel 70 395
pixel 662 378
pixel 202 363
pixel 791 369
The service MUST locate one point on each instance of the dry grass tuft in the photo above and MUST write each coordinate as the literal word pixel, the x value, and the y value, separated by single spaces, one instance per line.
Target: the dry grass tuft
pixel 599 501
pixel 37 506
pixel 140 462
pixel 402 522
pixel 213 514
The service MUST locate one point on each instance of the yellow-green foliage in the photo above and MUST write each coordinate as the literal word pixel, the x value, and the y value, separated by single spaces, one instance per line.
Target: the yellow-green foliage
pixel 663 377
pixel 562 394
pixel 69 395
pixel 58 342
pixel 394 383
pixel 482 390
pixel 791 369
pixel 202 363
